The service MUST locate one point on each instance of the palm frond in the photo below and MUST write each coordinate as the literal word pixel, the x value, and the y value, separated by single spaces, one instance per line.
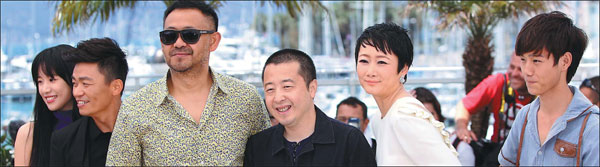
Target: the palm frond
pixel 480 17
pixel 71 13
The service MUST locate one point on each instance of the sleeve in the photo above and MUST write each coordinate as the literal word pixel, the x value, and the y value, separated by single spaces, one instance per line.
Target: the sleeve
pixel 248 153
pixel 465 154
pixel 591 151
pixel 56 151
pixel 483 93
pixel 361 154
pixel 508 153
pixel 125 147
pixel 259 118
pixel 422 138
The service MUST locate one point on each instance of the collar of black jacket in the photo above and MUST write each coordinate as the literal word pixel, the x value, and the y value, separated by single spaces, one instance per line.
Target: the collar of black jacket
pixel 323 134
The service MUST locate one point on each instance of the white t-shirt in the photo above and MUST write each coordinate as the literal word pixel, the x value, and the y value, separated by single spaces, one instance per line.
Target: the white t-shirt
pixel 465 152
pixel 409 135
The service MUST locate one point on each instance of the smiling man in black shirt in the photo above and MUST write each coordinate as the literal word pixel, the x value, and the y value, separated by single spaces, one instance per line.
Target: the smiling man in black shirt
pixel 305 136
pixel 98 81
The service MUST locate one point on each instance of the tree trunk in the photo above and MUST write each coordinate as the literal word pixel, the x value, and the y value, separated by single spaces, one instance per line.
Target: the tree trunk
pixel 479 64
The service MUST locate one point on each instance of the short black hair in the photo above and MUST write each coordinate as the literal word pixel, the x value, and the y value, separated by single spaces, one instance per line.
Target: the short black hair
pixel 592 83
pixel 426 96
pixel 388 38
pixel 556 33
pixel 307 67
pixel 107 53
pixel 13 128
pixel 200 5
pixel 354 102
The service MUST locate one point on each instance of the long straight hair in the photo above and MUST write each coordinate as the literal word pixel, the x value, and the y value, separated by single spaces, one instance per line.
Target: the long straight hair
pixel 51 62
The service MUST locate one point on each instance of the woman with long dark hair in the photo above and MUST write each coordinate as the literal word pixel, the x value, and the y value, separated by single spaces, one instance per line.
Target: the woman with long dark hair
pixel 54 107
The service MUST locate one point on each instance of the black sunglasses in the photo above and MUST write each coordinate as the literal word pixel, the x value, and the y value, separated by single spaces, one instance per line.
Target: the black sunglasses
pixel 189 36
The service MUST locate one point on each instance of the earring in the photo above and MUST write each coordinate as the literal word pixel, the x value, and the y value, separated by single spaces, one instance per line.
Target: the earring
pixel 402 80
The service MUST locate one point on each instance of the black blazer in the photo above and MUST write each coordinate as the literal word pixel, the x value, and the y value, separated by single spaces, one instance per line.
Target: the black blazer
pixel 67 146
pixel 333 143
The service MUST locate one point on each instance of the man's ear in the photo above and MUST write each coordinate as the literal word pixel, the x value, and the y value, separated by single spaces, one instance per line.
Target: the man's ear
pixel 215 38
pixel 116 87
pixel 312 88
pixel 565 61
pixel 365 124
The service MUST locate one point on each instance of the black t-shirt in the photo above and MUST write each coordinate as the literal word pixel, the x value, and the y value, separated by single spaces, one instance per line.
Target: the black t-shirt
pixel 97 145
pixel 294 148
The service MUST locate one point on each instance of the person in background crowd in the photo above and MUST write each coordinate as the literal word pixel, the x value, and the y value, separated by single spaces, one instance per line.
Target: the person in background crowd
pixel 273 120
pixel 501 94
pixel 590 87
pixel 53 108
pixel 13 128
pixel 465 151
pixel 351 107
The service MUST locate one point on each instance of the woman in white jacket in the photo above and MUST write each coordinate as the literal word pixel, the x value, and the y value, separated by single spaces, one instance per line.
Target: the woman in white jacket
pixel 406 133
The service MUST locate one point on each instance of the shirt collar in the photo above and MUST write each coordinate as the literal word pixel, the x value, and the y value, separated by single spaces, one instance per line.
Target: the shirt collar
pixel 578 104
pixel 221 82
pixel 277 143
pixel 163 91
pixel 323 133
pixel 93 131
pixel 323 129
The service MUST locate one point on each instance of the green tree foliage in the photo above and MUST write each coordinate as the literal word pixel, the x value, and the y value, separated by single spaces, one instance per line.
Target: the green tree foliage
pixel 71 13
pixel 5 150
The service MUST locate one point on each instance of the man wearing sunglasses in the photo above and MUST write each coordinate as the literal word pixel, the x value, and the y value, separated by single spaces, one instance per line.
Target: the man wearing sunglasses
pixel 590 87
pixel 193 115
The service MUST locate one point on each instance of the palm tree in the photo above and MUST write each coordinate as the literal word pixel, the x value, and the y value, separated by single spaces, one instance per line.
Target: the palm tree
pixel 70 13
pixel 286 28
pixel 479 18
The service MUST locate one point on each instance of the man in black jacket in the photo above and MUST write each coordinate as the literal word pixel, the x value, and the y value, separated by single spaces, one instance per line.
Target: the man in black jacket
pixel 98 81
pixel 305 136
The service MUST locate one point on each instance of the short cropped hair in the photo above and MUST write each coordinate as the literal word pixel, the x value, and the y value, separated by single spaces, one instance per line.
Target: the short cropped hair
pixel 200 5
pixel 388 38
pixel 556 33
pixel 107 53
pixel 592 83
pixel 424 95
pixel 354 102
pixel 307 67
